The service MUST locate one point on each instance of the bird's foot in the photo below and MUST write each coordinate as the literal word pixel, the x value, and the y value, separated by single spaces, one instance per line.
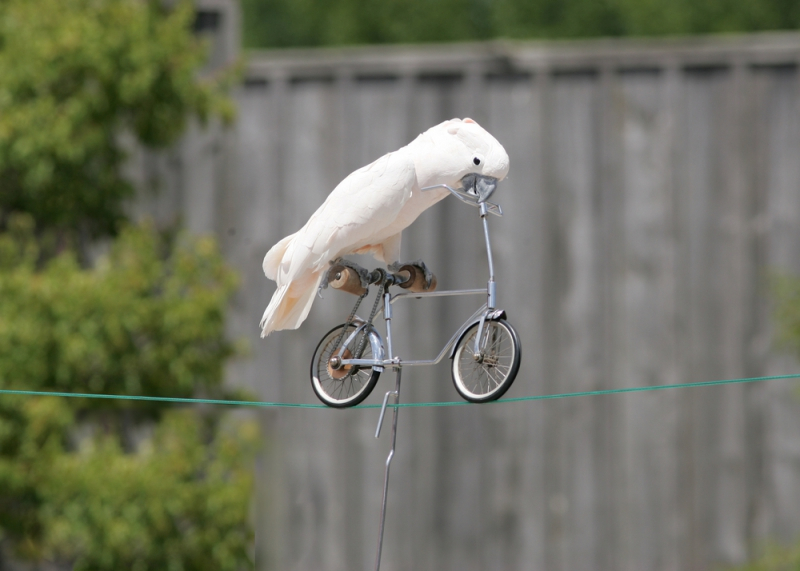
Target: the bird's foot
pixel 420 277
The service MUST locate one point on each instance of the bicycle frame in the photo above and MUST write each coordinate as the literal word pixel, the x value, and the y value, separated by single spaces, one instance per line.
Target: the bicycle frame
pixel 487 311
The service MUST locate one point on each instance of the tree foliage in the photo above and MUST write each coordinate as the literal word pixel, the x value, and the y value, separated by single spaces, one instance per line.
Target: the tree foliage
pixel 786 294
pixel 147 319
pixel 74 76
pixel 181 502
pixel 109 484
pixel 284 23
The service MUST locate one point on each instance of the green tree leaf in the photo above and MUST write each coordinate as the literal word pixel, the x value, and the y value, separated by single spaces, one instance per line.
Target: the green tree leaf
pixel 147 319
pixel 74 75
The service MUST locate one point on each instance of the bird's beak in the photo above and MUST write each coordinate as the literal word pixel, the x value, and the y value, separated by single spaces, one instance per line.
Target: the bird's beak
pixel 479 185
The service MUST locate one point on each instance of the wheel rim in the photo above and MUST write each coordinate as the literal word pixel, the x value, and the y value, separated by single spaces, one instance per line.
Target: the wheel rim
pixel 483 377
pixel 331 385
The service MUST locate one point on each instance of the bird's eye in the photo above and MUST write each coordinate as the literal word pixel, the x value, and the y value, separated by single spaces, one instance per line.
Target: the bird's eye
pixel 476 160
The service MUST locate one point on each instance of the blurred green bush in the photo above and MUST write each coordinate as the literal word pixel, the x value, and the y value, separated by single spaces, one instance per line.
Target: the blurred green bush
pixel 287 23
pixel 785 293
pixel 146 319
pixel 774 558
pixel 120 484
pixel 100 484
pixel 75 75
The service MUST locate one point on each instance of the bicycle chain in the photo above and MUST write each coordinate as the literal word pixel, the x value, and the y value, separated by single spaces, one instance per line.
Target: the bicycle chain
pixel 372 314
pixel 365 333
pixel 349 321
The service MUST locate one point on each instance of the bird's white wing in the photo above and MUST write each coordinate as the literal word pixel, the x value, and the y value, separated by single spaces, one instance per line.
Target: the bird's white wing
pixel 360 208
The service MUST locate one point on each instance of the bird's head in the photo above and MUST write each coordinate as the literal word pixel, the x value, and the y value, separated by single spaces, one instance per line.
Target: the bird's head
pixel 461 154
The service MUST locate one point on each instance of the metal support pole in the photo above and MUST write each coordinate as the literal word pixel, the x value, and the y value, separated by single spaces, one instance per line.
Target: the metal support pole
pixel 396 394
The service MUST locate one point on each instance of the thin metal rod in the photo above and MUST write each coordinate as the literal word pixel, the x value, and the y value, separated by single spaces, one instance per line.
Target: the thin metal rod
pixel 388 463
pixel 387 315
pixel 383 411
pixel 443 293
pixel 488 246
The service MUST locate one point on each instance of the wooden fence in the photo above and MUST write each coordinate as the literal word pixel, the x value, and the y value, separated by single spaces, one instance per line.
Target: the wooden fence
pixel 653 186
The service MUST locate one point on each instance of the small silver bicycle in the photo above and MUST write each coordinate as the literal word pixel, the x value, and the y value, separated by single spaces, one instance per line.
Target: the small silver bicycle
pixel 485 350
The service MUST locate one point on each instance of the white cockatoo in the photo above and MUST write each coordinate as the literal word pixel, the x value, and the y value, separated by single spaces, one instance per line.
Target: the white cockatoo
pixel 369 209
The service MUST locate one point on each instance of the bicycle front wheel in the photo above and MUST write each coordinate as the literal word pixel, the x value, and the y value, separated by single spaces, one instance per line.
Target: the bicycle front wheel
pixel 486 374
pixel 344 385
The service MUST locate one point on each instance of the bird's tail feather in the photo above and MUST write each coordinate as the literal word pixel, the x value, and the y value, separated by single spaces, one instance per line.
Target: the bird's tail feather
pixel 290 305
pixel 272 260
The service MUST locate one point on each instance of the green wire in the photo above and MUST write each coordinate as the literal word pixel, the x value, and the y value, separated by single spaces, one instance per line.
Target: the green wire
pixel 263 404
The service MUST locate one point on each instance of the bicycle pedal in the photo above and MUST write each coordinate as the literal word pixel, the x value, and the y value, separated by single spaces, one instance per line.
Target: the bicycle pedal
pixel 416 281
pixel 346 279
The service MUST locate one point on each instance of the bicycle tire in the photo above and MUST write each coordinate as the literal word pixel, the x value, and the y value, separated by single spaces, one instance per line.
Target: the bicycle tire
pixel 489 376
pixel 347 386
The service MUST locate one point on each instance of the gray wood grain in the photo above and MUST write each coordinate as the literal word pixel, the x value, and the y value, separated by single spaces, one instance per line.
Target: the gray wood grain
pixel 653 185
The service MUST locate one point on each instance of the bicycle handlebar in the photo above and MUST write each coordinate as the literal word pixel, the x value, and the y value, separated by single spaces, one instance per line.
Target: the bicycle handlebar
pixel 467 198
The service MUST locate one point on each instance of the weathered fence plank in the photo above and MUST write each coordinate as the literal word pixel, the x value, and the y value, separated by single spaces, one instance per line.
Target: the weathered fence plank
pixel 652 186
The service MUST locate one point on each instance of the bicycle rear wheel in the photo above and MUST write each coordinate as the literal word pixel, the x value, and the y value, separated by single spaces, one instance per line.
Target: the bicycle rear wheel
pixel 346 385
pixel 486 375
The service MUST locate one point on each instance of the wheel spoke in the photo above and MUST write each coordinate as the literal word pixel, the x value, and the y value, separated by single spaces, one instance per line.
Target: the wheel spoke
pixel 480 380
pixel 350 385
